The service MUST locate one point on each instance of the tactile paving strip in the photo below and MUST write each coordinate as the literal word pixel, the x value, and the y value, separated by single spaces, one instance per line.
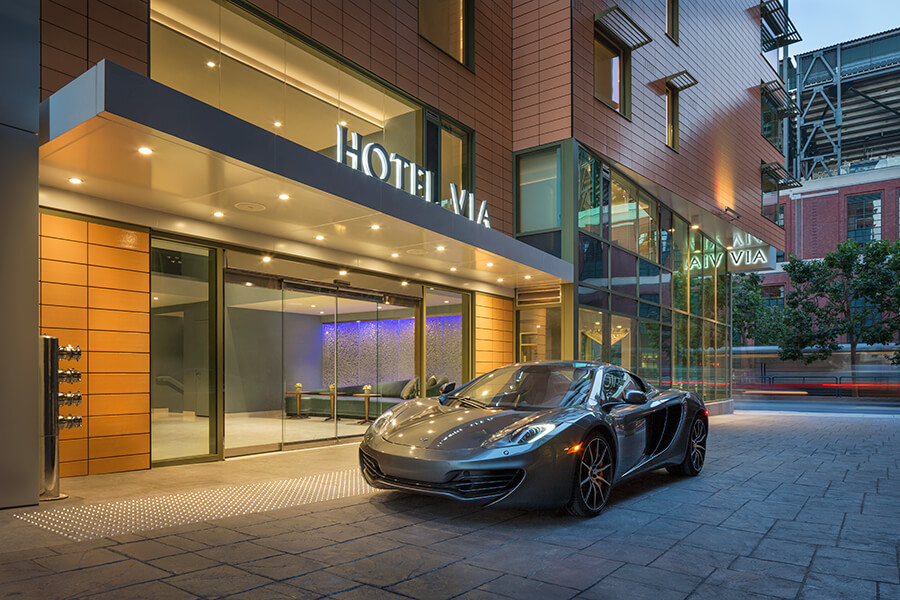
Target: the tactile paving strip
pixel 91 521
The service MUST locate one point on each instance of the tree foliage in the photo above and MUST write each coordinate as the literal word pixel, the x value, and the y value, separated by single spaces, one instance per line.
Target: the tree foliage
pixel 751 317
pixel 852 292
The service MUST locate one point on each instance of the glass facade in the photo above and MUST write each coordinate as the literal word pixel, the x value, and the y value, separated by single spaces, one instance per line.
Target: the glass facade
pixel 539 192
pixel 864 217
pixel 652 291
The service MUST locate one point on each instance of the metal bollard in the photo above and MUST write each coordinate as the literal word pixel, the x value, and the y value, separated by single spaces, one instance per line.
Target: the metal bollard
pixel 51 420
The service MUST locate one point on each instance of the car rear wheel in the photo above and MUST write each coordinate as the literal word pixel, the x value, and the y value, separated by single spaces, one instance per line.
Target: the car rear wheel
pixel 695 455
pixel 593 478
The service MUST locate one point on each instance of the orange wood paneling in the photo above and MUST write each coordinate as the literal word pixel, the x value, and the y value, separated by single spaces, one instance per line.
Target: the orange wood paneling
pixel 493 332
pixel 103 309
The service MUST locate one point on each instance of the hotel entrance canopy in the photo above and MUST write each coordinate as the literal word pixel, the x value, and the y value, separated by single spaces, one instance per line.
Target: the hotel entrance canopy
pixel 273 194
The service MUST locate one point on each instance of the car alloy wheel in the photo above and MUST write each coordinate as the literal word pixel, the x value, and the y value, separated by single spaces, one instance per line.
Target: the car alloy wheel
pixel 695 455
pixel 593 478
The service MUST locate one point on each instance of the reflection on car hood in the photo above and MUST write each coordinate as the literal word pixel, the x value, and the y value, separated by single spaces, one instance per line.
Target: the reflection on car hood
pixel 434 426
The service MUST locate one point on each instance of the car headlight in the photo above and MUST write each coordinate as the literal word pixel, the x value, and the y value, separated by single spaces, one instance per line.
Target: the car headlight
pixel 382 422
pixel 522 435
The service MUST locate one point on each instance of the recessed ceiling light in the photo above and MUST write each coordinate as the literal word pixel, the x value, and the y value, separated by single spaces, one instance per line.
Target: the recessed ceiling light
pixel 696 252
pixel 490 264
pixel 378 307
pixel 538 326
pixel 342 272
pixel 446 302
pixel 394 255
pixel 729 247
pixel 249 284
pixel 596 322
pixel 156 297
pixel 528 277
pixel 283 197
pixel 376 227
pixel 440 248
pixel 320 237
pixel 145 150
pixel 499 280
pixel 343 123
pixel 76 180
pixel 218 213
pixel 404 283
pixel 267 258
pixel 210 64
pixel 452 268
pixel 695 226
pixel 321 312
pixel 312 305
pixel 277 123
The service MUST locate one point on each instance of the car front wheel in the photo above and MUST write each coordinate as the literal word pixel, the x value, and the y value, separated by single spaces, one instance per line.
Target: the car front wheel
pixel 593 478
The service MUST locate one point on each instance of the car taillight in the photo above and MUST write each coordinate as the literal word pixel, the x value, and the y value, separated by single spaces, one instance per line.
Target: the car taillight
pixel 705 413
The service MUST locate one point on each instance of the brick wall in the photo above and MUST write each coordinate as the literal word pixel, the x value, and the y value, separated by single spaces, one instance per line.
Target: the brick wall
pixel 77 34
pixel 95 287
pixel 493 332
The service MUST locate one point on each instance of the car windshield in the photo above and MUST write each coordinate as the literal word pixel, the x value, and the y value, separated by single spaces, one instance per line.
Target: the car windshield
pixel 530 387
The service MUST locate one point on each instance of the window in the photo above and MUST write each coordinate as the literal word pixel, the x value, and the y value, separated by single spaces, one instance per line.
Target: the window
pixel 539 204
pixel 623 212
pixel 773 295
pixel 864 217
pixel 672 19
pixel 445 23
pixel 611 66
pixel 447 149
pixel 771 208
pixel 671 117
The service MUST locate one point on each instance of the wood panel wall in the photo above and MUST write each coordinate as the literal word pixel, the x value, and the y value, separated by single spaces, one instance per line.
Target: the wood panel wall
pixel 95 293
pixel 493 332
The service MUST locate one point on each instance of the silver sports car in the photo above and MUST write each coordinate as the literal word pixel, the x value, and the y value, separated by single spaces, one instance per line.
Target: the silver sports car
pixel 536 434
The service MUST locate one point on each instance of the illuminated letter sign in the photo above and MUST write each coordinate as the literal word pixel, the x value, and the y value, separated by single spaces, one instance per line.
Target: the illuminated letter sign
pixel 373 160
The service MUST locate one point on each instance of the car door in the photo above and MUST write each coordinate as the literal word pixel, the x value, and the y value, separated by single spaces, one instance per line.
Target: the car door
pixel 630 419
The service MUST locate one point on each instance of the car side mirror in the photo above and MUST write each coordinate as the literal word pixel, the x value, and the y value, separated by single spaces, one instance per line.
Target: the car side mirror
pixel 448 387
pixel 635 397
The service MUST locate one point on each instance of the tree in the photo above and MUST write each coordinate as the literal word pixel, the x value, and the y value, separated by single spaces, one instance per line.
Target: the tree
pixel 751 317
pixel 850 292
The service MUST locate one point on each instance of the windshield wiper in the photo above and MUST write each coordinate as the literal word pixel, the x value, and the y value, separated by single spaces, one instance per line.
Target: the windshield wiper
pixel 466 401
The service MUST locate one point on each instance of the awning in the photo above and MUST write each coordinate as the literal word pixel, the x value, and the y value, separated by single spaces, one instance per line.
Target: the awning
pixel 778 174
pixel 779 98
pixel 275 195
pixel 615 22
pixel 777 29
pixel 681 80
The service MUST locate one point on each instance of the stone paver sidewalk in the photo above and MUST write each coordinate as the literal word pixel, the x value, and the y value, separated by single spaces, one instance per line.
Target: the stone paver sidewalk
pixel 788 506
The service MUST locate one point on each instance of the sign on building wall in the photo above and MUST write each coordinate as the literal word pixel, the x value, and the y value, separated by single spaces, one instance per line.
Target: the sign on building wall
pixel 749 253
pixel 375 161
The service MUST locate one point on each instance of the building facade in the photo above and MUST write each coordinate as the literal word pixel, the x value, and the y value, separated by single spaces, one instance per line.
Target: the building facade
pixel 266 222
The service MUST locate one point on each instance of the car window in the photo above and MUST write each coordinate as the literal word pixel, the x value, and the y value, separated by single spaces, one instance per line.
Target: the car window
pixel 613 384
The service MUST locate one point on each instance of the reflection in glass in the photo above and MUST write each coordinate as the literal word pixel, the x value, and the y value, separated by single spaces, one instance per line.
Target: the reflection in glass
pixel 665 356
pixel 454 161
pixel 696 354
pixel 182 389
pixel 607 72
pixel 696 271
pixel 622 341
pixel 648 363
pixel 682 255
pixel 540 334
pixel 590 203
pixel 590 338
pixel 444 339
pixel 648 281
pixel 623 212
pixel 681 351
pixel 591 262
pixel 648 233
pixel 709 361
pixel 710 257
pixel 666 237
pixel 442 22
pixel 539 205
pixel 623 272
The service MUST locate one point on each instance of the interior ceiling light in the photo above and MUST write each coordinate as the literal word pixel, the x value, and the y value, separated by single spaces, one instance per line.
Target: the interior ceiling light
pixel 499 280
pixel 343 123
pixel 156 297
pixel 696 252
pixel 394 255
pixel 446 302
pixel 312 305
pixel 218 213
pixel 283 197
pixel 249 284
pixel 267 258
pixel 145 150
pixel 320 237
pixel 376 227
pixel 277 123
pixel 342 272
pixel 490 264
pixel 528 277
pixel 404 283
pixel 695 226
pixel 321 312
pixel 729 247
pixel 210 64
pixel 452 268
pixel 440 248
pixel 76 180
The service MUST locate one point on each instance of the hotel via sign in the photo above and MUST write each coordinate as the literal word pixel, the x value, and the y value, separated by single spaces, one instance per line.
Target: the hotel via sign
pixel 375 161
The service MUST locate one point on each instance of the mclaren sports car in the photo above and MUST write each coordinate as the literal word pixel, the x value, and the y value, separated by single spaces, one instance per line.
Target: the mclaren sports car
pixel 539 434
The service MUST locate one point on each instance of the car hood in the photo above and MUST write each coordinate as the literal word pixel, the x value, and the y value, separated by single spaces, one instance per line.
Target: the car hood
pixel 434 426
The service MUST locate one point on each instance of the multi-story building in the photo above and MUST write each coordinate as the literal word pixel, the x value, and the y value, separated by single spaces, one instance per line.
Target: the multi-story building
pixel 264 221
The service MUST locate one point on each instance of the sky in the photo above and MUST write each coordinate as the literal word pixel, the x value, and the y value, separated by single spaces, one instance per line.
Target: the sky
pixel 823 23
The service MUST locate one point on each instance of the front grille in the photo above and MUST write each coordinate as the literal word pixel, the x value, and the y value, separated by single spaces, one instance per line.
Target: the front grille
pixel 468 484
